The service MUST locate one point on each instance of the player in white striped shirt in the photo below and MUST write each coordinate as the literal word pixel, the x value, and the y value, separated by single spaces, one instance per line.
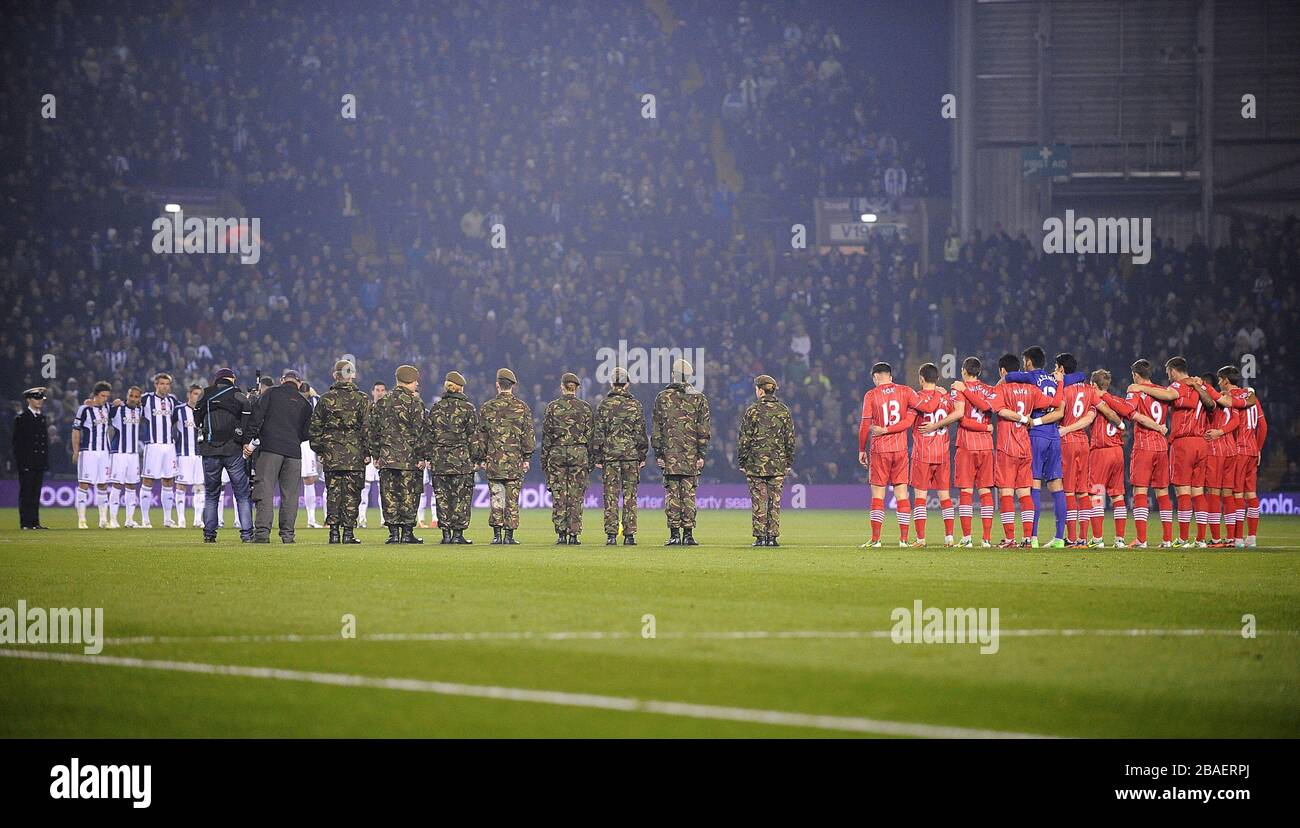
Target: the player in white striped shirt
pixel 124 479
pixel 158 412
pixel 189 465
pixel 90 454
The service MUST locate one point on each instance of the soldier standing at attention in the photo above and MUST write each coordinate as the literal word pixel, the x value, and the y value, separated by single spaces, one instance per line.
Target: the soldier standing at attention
pixel 681 440
pixel 454 449
pixel 566 458
pixel 396 443
pixel 337 433
pixel 765 452
pixel 506 434
pixel 618 448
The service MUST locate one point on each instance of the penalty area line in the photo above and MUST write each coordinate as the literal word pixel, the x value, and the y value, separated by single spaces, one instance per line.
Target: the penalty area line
pixel 850 724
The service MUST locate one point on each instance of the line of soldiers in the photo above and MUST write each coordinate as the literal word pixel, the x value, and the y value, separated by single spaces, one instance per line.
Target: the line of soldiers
pixel 453 439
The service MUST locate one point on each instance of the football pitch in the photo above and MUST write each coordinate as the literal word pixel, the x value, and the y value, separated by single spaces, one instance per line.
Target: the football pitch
pixel 719 640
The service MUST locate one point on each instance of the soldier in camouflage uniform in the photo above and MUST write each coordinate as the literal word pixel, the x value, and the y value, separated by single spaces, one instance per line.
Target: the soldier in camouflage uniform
pixel 566 458
pixel 337 433
pixel 396 438
pixel 680 439
pixel 454 449
pixel 506 435
pixel 618 448
pixel 765 452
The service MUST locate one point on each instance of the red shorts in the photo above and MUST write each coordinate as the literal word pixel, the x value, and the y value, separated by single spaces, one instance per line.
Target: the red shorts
pixel 889 468
pixel 1074 458
pixel 1221 472
pixel 974 469
pixel 1012 472
pixel 931 476
pixel 1189 456
pixel 1106 468
pixel 1149 469
pixel 1247 469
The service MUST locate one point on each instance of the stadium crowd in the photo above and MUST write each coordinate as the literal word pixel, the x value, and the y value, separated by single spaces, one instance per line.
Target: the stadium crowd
pixel 377 230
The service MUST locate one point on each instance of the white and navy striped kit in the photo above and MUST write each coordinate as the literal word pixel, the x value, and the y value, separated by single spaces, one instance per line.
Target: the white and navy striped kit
pixel 186 432
pixel 157 413
pixel 126 427
pixel 93 422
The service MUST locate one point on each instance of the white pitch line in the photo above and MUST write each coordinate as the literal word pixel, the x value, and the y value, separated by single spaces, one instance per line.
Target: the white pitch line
pixel 600 635
pixel 624 704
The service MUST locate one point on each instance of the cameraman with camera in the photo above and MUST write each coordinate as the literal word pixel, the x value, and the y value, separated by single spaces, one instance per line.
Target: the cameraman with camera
pixel 220 419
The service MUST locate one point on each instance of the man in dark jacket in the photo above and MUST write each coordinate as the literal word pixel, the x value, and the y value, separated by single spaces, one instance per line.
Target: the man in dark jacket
pixel 278 429
pixel 221 419
pixel 31 446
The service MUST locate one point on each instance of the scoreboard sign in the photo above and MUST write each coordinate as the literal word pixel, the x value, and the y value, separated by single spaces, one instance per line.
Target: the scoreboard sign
pixel 839 220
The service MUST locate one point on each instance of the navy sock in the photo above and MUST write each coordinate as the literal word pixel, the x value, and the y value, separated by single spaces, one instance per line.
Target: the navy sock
pixel 1058 503
pixel 1037 496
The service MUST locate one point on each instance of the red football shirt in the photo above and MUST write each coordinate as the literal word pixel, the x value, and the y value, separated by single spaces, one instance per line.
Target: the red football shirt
pixel 1145 438
pixel 1227 420
pixel 890 406
pixel 1250 433
pixel 1105 433
pixel 1080 398
pixel 1183 418
pixel 1022 398
pixel 933 405
pixel 973 428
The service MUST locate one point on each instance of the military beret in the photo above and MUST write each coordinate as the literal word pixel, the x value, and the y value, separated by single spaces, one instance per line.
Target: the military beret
pixel 37 393
pixel 682 368
pixel 455 378
pixel 619 376
pixel 507 375
pixel 763 379
pixel 345 369
pixel 570 377
pixel 407 373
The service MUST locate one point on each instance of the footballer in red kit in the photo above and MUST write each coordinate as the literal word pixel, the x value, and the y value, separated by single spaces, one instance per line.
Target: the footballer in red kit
pixel 974 465
pixel 1149 460
pixel 888 412
pixel 1221 465
pixel 1080 410
pixel 931 466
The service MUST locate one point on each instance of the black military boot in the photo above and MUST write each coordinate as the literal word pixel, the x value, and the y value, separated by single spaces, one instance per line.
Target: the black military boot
pixel 674 537
pixel 334 534
pixel 573 540
pixel 446 536
pixel 510 537
pixel 458 536
pixel 394 534
pixel 611 540
pixel 496 534
pixel 408 535
pixel 771 540
pixel 629 540
pixel 349 535
pixel 561 539
pixel 688 539
pixel 761 540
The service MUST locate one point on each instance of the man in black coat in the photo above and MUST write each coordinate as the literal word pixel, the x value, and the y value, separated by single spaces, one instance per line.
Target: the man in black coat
pixel 31 447
pixel 221 420
pixel 278 429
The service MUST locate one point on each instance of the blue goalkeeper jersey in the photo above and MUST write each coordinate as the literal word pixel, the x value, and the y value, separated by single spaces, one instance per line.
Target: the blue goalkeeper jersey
pixel 1046 382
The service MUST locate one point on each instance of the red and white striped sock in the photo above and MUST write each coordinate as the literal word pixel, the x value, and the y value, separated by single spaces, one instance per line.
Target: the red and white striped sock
pixel 986 515
pixel 1184 516
pixel 1202 516
pixel 965 511
pixel 877 517
pixel 1008 517
pixel 1121 517
pixel 1071 517
pixel 1027 516
pixel 1166 505
pixel 919 516
pixel 1252 516
pixel 945 509
pixel 1214 514
pixel 1140 515
pixel 903 508
pixel 1096 516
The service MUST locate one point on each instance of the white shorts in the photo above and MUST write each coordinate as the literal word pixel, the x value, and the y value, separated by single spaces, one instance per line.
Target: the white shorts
pixel 372 473
pixel 189 470
pixel 159 461
pixel 310 468
pixel 126 469
pixel 93 467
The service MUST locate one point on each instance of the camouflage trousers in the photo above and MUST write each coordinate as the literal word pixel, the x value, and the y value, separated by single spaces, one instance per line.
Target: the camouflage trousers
pixel 504 512
pixel 568 485
pixel 453 493
pixel 765 504
pixel 343 497
pixel 400 490
pixel 621 477
pixel 679 500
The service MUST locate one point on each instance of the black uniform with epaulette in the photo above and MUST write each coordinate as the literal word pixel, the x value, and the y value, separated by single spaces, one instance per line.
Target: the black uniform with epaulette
pixel 31 449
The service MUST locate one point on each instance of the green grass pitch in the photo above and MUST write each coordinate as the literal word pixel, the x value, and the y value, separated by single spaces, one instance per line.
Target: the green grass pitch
pixel 815 615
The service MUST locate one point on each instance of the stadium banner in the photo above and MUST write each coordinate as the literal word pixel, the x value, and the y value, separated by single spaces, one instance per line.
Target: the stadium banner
pixel 62 493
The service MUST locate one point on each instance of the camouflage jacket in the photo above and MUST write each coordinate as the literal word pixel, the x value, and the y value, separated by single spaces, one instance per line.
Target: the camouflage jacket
pixel 506 435
pixel 566 433
pixel 766 444
pixel 681 429
pixel 337 428
pixel 452 428
pixel 396 430
pixel 620 432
